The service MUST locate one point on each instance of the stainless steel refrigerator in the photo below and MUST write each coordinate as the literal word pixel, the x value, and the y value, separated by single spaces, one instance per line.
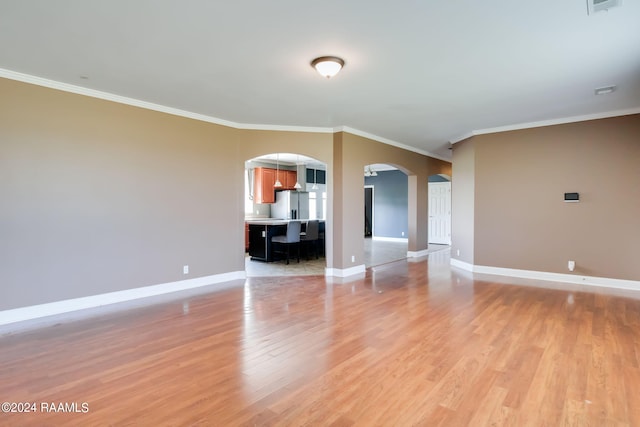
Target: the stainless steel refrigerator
pixel 291 205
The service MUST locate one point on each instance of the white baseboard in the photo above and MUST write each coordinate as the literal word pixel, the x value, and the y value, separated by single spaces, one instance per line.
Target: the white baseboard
pixel 337 272
pixel 461 264
pixel 95 301
pixel 391 239
pixel 417 254
pixel 604 282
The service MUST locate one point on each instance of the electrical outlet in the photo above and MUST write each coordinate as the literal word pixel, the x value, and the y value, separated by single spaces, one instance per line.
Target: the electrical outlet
pixel 571 265
pixel 353 258
pixel 457 252
pixel 403 233
pixel 185 269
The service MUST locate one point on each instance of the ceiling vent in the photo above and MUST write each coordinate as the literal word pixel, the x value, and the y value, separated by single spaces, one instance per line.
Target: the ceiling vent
pixel 605 90
pixel 594 6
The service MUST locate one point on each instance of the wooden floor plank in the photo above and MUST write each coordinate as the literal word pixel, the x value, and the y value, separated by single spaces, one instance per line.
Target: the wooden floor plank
pixel 409 344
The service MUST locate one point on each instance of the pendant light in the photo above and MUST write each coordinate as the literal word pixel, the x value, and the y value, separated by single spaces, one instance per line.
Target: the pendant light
pixel 297 186
pixel 369 172
pixel 315 179
pixel 277 184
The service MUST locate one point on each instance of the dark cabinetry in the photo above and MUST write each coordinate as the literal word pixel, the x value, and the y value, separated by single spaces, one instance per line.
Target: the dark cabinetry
pixel 260 240
pixel 246 237
pixel 316 176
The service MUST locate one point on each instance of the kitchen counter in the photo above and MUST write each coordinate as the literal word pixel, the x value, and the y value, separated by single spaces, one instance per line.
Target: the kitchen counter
pixel 267 221
pixel 261 230
pixel 274 221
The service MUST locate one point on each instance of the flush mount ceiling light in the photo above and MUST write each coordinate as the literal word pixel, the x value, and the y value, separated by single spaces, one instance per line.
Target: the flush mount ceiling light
pixel 328 66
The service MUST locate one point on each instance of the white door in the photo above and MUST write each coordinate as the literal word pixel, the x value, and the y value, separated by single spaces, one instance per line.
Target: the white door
pixel 440 213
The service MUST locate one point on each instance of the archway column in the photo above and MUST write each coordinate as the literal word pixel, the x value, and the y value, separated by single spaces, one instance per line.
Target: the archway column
pixel 347 257
pixel 418 215
pixel 350 154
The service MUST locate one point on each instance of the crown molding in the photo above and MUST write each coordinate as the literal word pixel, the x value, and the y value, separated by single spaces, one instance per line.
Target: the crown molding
pixel 551 122
pixel 248 126
pixel 559 121
pixel 461 138
pixel 79 90
pixel 66 87
pixel 388 142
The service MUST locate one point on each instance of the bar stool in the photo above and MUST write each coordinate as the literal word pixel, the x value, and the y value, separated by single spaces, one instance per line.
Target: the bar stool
pixel 291 238
pixel 310 236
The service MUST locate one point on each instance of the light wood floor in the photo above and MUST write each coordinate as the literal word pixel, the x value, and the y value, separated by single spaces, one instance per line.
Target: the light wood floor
pixel 376 252
pixel 413 343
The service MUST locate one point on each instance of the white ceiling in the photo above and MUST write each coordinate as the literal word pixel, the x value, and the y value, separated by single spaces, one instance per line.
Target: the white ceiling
pixel 417 73
pixel 291 159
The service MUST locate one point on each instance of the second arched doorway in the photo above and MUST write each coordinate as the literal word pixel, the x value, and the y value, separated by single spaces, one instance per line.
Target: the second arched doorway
pixel 386 214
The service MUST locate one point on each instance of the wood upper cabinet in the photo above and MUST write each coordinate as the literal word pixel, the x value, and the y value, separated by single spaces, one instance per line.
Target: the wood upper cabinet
pixel 287 179
pixel 264 180
pixel 292 178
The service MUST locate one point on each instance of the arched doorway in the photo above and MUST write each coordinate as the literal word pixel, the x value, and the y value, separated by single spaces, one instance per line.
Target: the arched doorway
pixel 299 194
pixel 386 214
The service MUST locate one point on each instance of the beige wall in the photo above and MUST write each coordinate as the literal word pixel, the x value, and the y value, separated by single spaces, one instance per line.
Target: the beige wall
pixel 255 143
pixel 100 197
pixel 351 154
pixel 463 201
pixel 319 146
pixel 521 220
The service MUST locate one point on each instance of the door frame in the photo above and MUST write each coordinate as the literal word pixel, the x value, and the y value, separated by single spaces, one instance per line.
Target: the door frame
pixel 448 239
pixel 373 208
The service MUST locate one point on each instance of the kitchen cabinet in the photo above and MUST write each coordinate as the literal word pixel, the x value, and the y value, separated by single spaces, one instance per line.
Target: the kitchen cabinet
pixel 264 180
pixel 316 176
pixel 260 234
pixel 288 179
pixel 246 237
pixel 258 241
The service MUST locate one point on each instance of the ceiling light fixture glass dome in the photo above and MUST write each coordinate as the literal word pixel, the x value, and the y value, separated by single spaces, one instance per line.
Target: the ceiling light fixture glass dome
pixel 328 66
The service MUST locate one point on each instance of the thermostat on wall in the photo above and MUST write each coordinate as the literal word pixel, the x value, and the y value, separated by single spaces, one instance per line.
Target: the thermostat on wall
pixel 571 197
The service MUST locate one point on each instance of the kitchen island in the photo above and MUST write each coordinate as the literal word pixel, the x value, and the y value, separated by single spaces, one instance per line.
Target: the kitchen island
pixel 260 233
